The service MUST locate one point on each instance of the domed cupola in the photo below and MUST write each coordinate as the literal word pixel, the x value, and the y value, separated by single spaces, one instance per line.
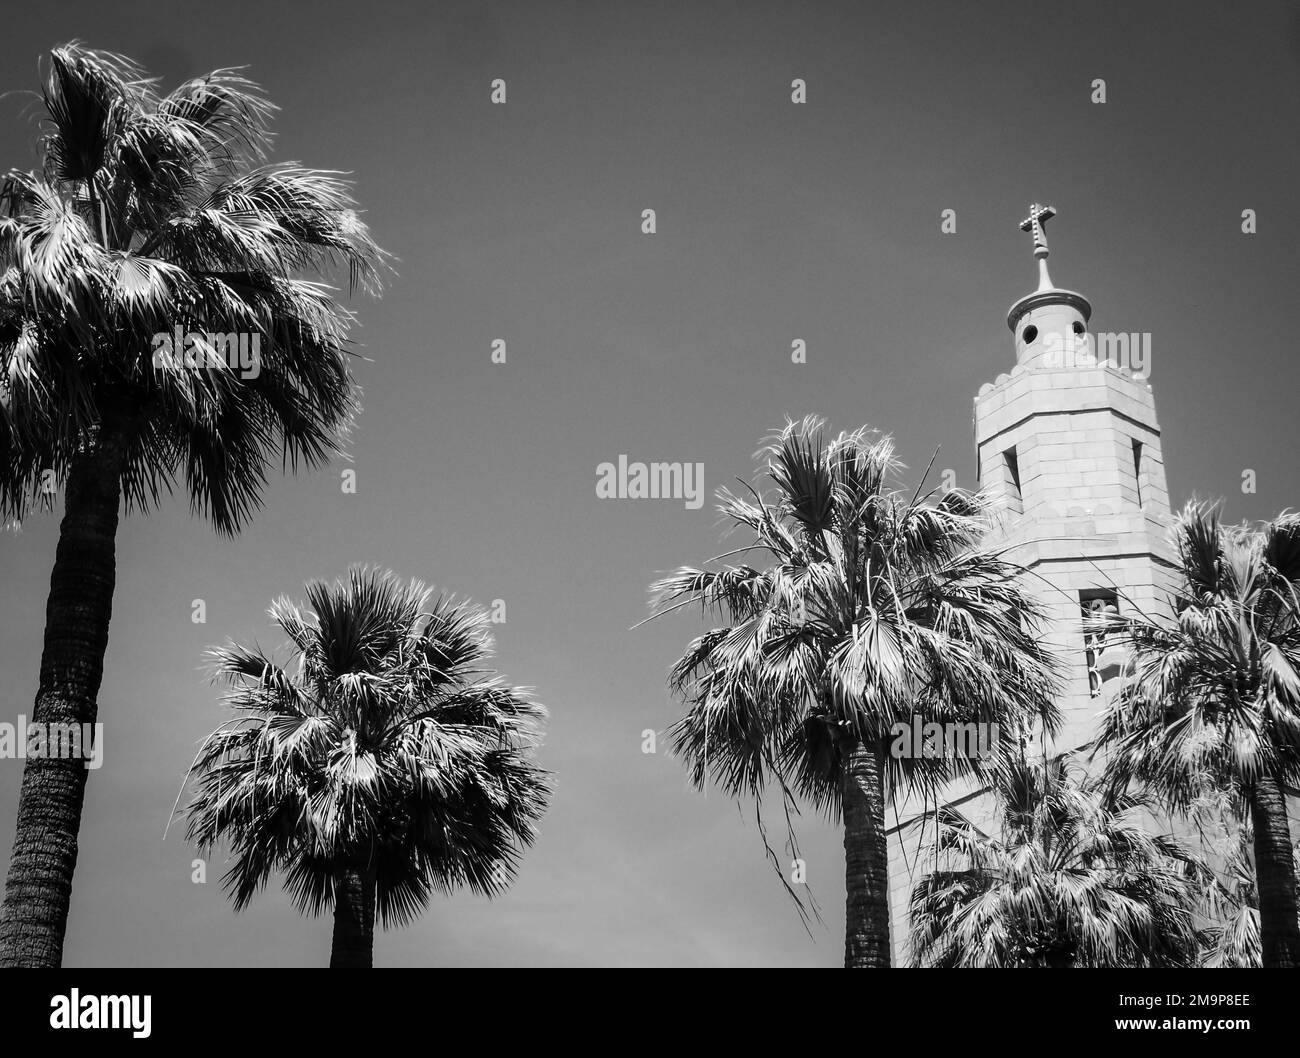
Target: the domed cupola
pixel 1051 319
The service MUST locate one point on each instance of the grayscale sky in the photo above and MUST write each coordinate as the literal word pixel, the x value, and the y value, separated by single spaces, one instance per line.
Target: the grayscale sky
pixel 775 222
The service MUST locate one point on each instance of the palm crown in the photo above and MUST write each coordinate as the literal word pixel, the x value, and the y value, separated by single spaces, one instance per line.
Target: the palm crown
pixel 1075 877
pixel 1213 696
pixel 874 606
pixel 155 212
pixel 388 750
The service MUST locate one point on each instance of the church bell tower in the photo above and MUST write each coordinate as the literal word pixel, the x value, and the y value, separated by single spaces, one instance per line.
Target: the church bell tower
pixel 1068 441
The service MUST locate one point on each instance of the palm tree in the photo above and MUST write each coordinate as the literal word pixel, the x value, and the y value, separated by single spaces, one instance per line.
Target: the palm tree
pixel 870 608
pixel 1212 697
pixel 387 764
pixel 151 215
pixel 1075 878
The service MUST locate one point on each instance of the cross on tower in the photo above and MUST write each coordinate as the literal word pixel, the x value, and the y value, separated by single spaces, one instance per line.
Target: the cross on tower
pixel 1038 216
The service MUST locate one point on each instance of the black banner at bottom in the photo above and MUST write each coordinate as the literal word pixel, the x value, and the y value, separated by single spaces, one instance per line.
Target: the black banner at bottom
pixel 303 1006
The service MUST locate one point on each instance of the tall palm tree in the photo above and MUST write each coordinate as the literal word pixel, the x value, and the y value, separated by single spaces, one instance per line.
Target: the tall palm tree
pixel 1212 697
pixel 1075 878
pixel 386 764
pixel 152 214
pixel 870 607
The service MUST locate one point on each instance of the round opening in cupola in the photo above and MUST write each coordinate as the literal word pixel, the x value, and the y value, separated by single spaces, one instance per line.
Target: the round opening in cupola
pixel 1078 328
pixel 1029 334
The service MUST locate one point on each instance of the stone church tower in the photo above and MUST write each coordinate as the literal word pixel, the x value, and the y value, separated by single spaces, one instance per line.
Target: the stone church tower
pixel 1068 440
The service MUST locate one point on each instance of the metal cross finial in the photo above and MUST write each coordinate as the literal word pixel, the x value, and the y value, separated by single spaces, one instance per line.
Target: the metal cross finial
pixel 1038 216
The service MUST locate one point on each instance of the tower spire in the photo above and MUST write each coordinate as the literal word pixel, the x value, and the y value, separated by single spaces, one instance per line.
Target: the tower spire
pixel 1050 318
pixel 1038 216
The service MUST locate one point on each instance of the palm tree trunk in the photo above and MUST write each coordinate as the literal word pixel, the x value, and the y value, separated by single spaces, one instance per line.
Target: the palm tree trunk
pixel 1274 875
pixel 866 859
pixel 354 920
pixel 34 916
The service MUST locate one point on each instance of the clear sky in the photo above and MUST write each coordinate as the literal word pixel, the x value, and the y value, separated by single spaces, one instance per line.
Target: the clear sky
pixel 775 221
